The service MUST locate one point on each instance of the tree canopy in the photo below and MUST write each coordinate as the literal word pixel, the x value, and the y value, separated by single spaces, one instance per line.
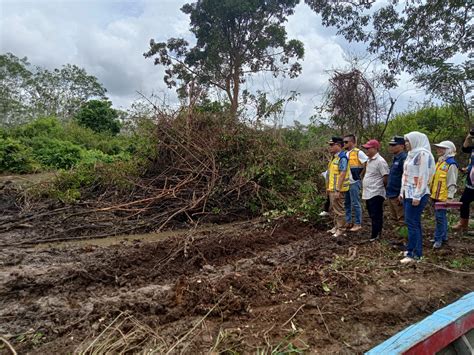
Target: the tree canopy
pixel 432 40
pixel 99 116
pixel 27 92
pixel 234 39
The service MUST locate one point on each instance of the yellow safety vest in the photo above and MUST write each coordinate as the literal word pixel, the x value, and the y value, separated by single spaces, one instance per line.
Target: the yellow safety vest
pixel 354 161
pixel 438 183
pixel 334 175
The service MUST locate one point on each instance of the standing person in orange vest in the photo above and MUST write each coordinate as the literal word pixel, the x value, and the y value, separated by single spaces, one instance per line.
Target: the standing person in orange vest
pixel 443 187
pixel 337 183
pixel 357 159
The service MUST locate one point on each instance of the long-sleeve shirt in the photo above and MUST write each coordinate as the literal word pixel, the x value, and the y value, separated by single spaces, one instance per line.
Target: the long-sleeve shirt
pixel 451 180
pixel 470 173
pixel 395 177
pixel 417 172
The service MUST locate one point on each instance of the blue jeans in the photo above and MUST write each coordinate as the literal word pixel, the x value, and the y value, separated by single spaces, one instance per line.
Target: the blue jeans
pixel 352 201
pixel 441 231
pixel 413 222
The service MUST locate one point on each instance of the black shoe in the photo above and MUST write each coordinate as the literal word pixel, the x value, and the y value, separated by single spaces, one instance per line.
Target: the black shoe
pixel 373 239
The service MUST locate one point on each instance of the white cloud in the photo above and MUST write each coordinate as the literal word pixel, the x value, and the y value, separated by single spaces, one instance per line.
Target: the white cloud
pixel 108 38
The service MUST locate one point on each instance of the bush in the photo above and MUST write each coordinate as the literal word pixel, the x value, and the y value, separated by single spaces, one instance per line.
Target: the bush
pixel 15 157
pixel 54 153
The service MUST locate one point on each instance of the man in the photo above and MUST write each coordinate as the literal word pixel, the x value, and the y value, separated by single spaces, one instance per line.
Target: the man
pixel 468 194
pixel 337 183
pixel 373 186
pixel 397 148
pixel 357 159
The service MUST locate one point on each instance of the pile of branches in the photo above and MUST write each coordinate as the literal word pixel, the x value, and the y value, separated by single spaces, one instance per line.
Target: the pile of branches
pixel 198 174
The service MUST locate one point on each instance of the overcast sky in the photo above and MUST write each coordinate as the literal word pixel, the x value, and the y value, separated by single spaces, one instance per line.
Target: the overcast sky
pixel 108 39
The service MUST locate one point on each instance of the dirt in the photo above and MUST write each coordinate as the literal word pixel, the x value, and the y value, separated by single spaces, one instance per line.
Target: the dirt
pixel 282 286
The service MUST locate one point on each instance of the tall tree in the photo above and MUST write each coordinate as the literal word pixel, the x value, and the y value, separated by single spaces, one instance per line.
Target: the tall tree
pixel 61 92
pixel 16 89
pixel 27 92
pixel 430 39
pixel 234 39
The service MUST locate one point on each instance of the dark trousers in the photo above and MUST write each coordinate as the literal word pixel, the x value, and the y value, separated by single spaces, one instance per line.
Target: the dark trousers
pixel 327 203
pixel 375 209
pixel 466 199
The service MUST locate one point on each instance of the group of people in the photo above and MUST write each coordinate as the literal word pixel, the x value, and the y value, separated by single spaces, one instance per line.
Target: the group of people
pixel 413 180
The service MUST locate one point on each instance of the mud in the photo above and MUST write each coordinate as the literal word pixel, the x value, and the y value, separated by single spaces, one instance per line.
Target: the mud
pixel 256 286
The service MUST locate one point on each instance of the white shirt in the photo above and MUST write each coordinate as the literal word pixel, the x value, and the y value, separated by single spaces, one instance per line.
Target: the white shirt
pixel 372 183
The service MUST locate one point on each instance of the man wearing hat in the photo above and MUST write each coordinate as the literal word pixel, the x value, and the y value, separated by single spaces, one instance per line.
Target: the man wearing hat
pixel 337 183
pixel 373 186
pixel 397 148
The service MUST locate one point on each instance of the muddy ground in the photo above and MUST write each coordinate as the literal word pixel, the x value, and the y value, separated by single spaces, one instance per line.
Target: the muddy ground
pixel 283 286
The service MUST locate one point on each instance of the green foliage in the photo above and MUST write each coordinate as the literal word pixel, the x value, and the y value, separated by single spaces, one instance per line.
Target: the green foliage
pixel 234 38
pixel 54 153
pixel 437 122
pixel 47 143
pixel 431 40
pixel 27 93
pixel 15 157
pixel 99 116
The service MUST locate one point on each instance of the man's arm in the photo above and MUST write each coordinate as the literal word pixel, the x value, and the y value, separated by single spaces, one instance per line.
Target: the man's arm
pixel 466 146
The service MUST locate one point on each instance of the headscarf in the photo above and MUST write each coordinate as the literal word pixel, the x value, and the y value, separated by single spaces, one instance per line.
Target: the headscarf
pixel 419 143
pixel 450 151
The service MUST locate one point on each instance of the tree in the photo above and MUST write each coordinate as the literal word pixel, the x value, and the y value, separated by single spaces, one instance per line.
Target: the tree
pixel 28 92
pixel 99 116
pixel 432 40
pixel 360 102
pixel 16 89
pixel 234 39
pixel 61 92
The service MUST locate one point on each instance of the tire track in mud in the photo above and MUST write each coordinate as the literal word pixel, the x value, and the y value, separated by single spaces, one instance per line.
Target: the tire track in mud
pixel 253 279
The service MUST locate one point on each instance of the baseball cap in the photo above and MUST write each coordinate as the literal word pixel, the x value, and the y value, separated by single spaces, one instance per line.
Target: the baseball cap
pixel 397 140
pixel 446 145
pixel 335 140
pixel 373 143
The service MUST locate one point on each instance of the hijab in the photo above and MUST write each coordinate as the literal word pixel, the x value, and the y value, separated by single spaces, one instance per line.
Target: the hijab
pixel 419 143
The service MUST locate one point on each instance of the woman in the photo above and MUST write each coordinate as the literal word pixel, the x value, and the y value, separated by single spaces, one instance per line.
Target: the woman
pixel 443 187
pixel 417 172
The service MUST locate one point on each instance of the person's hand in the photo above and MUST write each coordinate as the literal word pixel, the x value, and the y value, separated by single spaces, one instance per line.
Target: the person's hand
pixel 415 203
pixel 400 199
pixel 338 195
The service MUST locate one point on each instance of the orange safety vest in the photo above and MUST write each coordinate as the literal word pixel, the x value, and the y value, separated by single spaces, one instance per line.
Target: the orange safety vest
pixel 354 161
pixel 334 175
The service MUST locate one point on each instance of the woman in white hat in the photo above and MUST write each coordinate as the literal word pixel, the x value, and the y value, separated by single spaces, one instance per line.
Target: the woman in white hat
pixel 443 187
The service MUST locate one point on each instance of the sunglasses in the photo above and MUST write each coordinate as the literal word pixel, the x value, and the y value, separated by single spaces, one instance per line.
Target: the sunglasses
pixel 331 144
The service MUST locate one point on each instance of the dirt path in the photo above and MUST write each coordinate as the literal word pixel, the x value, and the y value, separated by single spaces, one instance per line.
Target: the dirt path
pixel 251 287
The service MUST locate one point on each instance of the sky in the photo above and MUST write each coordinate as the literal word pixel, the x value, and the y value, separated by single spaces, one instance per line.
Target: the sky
pixel 108 38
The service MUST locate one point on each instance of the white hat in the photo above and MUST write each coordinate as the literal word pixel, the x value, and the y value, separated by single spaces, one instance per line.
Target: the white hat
pixel 446 145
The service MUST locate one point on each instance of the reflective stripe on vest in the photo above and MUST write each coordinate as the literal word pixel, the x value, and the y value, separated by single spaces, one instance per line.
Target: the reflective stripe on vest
pixel 439 186
pixel 354 161
pixel 334 176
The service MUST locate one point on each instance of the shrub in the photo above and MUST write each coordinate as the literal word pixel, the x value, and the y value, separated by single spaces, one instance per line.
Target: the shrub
pixel 15 157
pixel 54 153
